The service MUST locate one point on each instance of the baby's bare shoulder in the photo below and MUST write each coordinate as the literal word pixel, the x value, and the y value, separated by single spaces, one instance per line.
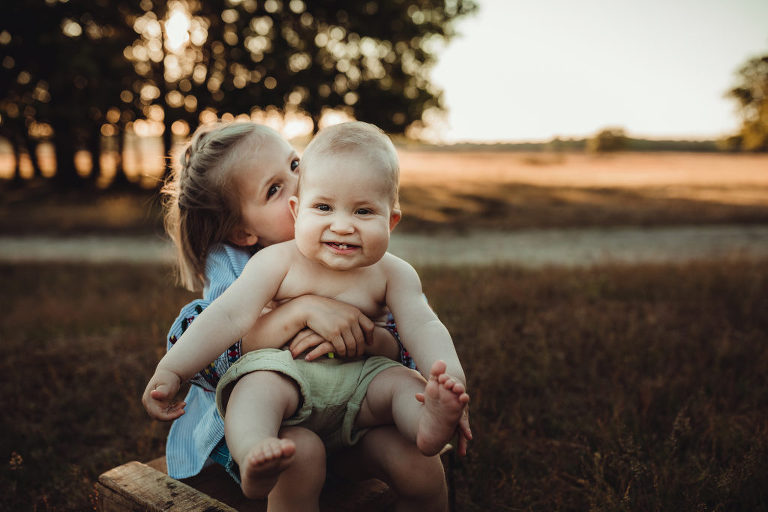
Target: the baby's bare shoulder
pixel 397 268
pixel 272 258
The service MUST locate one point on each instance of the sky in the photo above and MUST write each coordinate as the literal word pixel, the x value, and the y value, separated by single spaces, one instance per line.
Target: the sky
pixel 529 70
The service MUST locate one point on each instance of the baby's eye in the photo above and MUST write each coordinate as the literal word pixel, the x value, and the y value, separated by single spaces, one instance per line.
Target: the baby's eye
pixel 323 207
pixel 272 190
pixel 294 164
pixel 363 211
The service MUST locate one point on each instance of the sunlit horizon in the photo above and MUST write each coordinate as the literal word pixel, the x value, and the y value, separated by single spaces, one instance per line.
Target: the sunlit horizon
pixel 534 70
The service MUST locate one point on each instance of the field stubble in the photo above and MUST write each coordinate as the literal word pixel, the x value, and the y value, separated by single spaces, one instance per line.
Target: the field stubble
pixel 502 190
pixel 613 388
pixel 462 191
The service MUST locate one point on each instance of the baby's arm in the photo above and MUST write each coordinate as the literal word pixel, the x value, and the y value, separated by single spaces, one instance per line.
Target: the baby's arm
pixel 421 332
pixel 228 318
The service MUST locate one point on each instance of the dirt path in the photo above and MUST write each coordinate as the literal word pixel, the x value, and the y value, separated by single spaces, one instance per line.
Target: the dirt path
pixel 569 247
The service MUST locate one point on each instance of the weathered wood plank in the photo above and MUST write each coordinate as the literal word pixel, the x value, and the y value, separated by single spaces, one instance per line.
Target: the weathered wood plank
pixel 147 488
pixel 137 487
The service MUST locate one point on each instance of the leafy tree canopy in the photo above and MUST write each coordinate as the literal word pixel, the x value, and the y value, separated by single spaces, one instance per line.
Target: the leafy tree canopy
pixel 752 96
pixel 72 67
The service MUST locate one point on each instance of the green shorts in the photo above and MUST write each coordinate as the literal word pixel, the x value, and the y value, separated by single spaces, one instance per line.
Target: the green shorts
pixel 332 390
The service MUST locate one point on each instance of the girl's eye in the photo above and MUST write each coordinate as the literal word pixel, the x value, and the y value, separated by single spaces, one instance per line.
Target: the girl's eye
pixel 363 211
pixel 272 190
pixel 323 207
pixel 294 164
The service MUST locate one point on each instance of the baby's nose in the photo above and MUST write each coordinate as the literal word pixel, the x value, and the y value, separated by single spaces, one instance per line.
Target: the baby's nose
pixel 342 224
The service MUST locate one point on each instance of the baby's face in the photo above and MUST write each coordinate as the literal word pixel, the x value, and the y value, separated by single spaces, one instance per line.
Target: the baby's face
pixel 344 215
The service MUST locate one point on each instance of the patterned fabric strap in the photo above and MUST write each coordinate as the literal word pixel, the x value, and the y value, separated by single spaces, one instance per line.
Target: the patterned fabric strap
pixel 209 377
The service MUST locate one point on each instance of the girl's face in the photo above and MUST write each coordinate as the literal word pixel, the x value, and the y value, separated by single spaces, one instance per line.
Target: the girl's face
pixel 264 180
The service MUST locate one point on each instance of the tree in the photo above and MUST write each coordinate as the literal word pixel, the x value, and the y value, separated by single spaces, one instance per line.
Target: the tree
pixel 607 140
pixel 752 95
pixel 87 67
pixel 63 70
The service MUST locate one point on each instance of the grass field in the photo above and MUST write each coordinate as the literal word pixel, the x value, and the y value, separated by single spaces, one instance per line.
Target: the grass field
pixel 616 388
pixel 460 191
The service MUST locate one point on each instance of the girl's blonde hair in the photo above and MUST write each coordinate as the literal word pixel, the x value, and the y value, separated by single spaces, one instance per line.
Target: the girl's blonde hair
pixel 200 202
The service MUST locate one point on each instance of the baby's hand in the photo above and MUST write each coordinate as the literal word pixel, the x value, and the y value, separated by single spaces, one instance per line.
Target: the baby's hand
pixel 308 339
pixel 158 398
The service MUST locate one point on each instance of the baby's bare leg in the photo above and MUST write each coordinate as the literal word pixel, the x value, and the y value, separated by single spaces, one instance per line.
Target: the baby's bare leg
pixel 391 398
pixel 259 403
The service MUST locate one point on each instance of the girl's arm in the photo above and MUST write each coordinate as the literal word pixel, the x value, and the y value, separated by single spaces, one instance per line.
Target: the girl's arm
pixel 345 328
pixel 381 343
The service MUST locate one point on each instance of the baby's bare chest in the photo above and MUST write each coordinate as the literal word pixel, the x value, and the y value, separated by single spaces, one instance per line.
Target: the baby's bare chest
pixel 363 288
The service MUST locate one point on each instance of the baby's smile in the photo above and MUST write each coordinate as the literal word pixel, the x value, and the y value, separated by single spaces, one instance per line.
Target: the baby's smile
pixel 342 247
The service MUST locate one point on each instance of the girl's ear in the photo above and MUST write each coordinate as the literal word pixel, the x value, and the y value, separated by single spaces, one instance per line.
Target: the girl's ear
pixel 394 218
pixel 242 238
pixel 293 201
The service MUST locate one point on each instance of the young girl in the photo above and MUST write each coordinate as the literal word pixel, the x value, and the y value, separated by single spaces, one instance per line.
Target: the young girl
pixel 228 198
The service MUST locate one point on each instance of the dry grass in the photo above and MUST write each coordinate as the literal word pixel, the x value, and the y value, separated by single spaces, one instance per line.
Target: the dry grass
pixel 618 388
pixel 504 190
pixel 459 191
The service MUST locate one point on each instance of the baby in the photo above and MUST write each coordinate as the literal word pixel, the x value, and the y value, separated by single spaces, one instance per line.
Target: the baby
pixel 345 210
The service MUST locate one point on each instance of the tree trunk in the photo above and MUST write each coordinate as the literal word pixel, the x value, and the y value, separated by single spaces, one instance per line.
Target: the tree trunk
pixel 64 141
pixel 120 181
pixel 17 180
pixel 94 147
pixel 32 151
pixel 167 145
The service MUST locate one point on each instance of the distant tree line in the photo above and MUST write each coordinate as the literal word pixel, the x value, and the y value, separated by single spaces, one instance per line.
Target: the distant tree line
pixel 80 73
pixel 604 141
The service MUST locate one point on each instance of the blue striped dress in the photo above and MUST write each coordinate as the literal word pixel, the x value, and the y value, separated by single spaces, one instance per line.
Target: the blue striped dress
pixel 194 435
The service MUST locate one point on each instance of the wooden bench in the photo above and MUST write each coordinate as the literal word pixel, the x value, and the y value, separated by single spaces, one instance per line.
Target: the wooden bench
pixel 147 487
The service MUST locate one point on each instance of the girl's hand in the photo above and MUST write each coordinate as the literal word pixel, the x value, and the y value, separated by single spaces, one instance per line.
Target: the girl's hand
pixel 465 433
pixel 344 326
pixel 383 344
pixel 158 398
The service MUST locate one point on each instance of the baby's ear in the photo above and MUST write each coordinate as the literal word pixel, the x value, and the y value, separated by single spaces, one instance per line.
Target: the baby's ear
pixel 293 201
pixel 242 238
pixel 394 218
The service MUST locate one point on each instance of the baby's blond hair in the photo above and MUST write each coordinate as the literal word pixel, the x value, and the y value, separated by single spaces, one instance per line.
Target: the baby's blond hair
pixel 356 136
pixel 201 206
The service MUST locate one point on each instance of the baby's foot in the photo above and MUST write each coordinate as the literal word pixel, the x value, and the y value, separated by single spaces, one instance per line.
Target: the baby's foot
pixel 263 465
pixel 444 401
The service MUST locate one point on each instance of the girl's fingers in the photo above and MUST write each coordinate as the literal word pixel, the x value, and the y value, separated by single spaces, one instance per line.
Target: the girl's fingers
pixel 349 342
pixel 357 333
pixel 339 346
pixel 367 326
